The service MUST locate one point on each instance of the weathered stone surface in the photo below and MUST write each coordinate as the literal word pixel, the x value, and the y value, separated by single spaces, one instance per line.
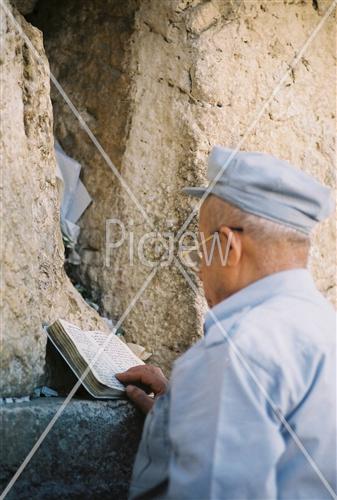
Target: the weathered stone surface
pixel 143 120
pixel 35 288
pixel 160 83
pixel 89 452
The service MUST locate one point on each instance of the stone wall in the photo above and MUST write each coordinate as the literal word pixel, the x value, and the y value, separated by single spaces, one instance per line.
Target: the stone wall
pixel 138 106
pixel 158 83
pixel 35 288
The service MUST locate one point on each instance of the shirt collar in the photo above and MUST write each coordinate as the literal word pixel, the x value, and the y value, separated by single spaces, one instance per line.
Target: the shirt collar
pixel 229 310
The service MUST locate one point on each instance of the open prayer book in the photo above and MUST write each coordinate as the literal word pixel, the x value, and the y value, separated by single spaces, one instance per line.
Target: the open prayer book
pixel 79 348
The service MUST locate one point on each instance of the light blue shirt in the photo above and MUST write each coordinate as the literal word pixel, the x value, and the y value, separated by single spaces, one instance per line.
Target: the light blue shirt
pixel 216 434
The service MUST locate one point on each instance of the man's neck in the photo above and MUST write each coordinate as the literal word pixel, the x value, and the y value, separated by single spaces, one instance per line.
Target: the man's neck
pixel 263 272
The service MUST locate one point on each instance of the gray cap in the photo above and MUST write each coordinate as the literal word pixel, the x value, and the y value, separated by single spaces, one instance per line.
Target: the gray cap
pixel 265 186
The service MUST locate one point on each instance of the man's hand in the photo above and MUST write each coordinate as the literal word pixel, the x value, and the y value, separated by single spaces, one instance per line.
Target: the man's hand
pixel 145 375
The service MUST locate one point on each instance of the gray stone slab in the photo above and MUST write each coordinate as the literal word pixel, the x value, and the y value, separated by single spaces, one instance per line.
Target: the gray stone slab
pixel 89 452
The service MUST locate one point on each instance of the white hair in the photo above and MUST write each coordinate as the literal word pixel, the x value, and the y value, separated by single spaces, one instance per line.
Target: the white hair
pixel 259 228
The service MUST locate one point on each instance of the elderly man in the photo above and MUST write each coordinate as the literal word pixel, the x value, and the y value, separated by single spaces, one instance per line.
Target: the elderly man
pixel 250 410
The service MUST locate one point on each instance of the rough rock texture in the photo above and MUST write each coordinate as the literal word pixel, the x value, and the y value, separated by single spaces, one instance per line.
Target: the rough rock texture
pixel 137 104
pixel 160 83
pixel 88 453
pixel 35 288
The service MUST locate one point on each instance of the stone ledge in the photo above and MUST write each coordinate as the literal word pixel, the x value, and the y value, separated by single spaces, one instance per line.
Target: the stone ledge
pixel 89 453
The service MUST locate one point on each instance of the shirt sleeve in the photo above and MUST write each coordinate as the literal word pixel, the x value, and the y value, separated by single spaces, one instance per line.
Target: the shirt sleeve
pixel 225 437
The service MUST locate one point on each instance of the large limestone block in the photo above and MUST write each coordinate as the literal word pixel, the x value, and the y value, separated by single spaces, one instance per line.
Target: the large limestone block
pixel 35 288
pixel 89 452
pixel 132 87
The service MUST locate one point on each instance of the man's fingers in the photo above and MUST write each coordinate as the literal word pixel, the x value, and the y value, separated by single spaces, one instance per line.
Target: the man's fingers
pixel 144 374
pixel 139 398
pixel 138 373
pixel 131 375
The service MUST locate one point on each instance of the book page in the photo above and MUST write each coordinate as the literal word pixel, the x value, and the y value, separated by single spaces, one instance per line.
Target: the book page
pixel 115 357
pixel 116 354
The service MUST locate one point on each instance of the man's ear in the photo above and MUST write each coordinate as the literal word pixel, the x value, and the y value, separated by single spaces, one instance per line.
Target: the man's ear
pixel 235 245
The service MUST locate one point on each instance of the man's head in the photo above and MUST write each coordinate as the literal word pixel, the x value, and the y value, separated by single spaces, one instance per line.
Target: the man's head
pixel 273 208
pixel 257 247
